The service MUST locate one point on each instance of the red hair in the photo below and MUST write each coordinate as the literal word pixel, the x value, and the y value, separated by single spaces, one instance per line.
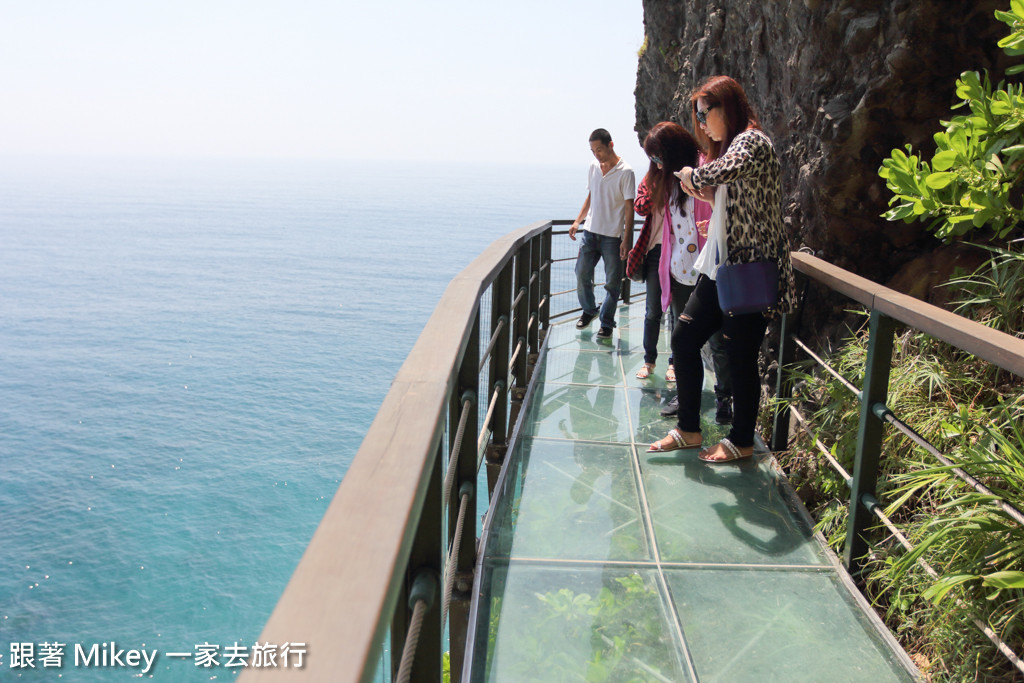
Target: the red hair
pixel 725 93
pixel 676 148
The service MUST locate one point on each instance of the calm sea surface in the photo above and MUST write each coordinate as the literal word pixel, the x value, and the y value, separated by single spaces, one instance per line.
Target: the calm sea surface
pixel 190 354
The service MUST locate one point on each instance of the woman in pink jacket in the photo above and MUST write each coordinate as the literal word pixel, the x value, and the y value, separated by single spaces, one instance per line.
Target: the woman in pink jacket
pixel 679 221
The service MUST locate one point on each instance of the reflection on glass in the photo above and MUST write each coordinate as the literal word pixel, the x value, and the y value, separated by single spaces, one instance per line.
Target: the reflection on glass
pixel 757 625
pixel 577 501
pixel 608 563
pixel 553 624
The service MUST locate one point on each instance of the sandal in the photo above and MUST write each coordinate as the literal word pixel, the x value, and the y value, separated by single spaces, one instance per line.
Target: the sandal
pixel 731 450
pixel 645 371
pixel 670 374
pixel 675 442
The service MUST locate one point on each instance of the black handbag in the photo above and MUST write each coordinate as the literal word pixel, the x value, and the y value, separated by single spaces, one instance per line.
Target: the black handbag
pixel 748 287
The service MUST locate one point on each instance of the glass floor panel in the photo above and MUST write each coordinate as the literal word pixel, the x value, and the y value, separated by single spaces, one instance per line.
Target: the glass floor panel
pixel 577 500
pixel 734 514
pixel 749 625
pixel 603 562
pixel 580 412
pixel 558 624
pixel 579 366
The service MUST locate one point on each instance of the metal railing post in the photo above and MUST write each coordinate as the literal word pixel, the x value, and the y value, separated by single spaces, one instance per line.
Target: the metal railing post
pixel 468 381
pixel 520 341
pixel 425 558
pixel 869 439
pixel 535 297
pixel 545 279
pixel 783 385
pixel 501 310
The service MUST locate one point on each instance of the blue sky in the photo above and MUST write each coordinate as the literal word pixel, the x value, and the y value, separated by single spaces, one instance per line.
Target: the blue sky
pixel 522 82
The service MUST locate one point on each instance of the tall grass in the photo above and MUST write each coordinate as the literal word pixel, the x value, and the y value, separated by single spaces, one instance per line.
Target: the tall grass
pixel 974 413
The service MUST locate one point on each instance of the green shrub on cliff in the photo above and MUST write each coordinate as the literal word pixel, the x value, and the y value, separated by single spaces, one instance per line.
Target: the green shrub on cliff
pixel 972 180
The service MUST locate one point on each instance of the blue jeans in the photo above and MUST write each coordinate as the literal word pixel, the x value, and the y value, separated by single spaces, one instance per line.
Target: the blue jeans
pixel 652 319
pixel 652 323
pixel 592 248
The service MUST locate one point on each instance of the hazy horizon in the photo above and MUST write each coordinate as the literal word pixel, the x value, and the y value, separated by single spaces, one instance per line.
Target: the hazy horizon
pixel 396 81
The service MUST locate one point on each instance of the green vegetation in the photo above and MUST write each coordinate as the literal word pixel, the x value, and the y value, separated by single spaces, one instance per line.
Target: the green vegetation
pixel 969 540
pixel 614 636
pixel 972 181
pixel 972 411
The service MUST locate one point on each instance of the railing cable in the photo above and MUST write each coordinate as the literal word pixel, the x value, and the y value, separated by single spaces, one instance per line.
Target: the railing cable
pixel 498 388
pixel 875 507
pixel 849 385
pixel 907 430
pixel 885 414
pixel 421 599
pixel 453 459
pixel 515 355
pixel 494 340
pixel 465 492
pixel 821 447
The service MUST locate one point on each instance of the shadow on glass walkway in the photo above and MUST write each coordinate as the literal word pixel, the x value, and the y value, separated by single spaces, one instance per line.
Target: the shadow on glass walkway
pixel 597 561
pixel 604 562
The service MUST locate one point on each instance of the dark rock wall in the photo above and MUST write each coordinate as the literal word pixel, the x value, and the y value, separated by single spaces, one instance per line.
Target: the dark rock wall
pixel 837 85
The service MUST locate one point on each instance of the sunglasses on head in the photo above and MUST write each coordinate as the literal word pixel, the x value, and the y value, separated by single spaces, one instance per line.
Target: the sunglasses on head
pixel 655 159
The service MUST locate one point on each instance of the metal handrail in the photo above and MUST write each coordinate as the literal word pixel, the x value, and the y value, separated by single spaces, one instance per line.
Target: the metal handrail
pixel 383 550
pixel 886 414
pixel 991 345
pixel 383 536
pixel 887 307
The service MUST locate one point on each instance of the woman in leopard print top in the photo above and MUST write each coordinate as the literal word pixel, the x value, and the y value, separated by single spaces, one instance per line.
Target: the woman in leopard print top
pixel 742 158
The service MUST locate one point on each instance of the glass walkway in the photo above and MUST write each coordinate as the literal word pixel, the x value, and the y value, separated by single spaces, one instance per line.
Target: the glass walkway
pixel 603 562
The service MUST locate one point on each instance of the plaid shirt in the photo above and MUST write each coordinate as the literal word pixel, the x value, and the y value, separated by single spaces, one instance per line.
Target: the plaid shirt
pixel 642 206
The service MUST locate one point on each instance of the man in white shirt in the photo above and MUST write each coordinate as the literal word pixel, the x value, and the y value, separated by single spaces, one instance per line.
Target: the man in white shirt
pixel 607 231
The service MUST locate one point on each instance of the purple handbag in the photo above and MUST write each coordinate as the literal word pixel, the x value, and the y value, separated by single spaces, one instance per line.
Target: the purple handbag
pixel 748 287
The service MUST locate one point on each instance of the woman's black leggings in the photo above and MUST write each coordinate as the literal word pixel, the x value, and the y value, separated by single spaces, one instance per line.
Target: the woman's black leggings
pixel 743 335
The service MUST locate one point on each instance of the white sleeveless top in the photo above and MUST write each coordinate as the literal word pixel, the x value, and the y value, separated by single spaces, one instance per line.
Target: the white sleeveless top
pixel 682 265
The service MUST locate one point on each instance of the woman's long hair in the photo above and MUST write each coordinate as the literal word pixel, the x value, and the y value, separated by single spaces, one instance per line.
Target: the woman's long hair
pixel 676 148
pixel 725 93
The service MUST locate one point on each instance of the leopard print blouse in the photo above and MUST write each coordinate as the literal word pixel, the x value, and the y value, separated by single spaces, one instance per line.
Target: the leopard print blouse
pixel 751 170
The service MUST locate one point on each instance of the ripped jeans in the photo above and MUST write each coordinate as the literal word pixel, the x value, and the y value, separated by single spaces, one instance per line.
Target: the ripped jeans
pixel 742 334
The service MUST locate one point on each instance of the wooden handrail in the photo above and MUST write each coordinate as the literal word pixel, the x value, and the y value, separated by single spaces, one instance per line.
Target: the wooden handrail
pixel 887 308
pixel 991 345
pixel 341 596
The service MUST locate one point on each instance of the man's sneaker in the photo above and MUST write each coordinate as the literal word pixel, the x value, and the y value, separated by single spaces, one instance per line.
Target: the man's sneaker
pixel 723 410
pixel 604 333
pixel 584 321
pixel 672 407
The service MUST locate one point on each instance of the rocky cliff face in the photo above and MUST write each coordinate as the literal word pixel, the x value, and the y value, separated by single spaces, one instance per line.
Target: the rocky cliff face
pixel 837 85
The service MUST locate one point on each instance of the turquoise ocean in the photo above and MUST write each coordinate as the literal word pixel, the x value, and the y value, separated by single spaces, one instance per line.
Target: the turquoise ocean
pixel 190 354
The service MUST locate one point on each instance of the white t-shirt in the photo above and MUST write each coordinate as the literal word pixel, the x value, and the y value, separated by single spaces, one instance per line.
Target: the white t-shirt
pixel 684 244
pixel 608 196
